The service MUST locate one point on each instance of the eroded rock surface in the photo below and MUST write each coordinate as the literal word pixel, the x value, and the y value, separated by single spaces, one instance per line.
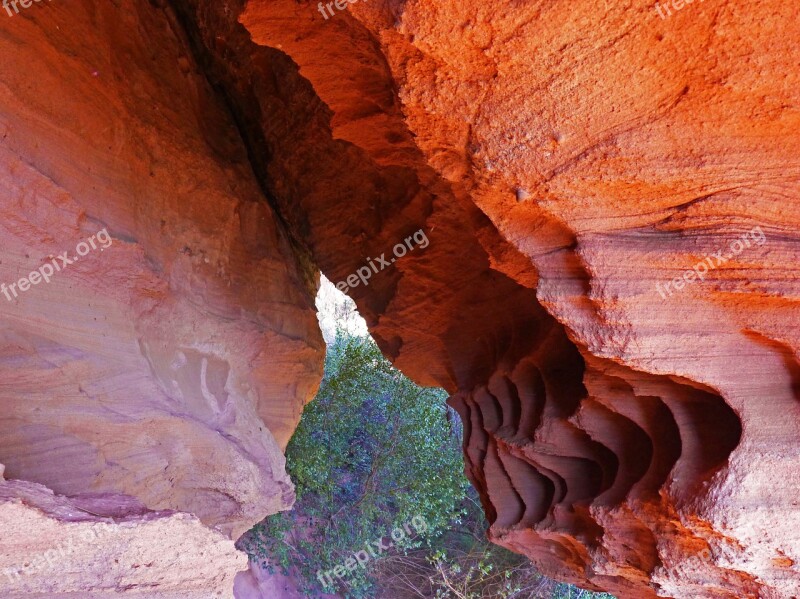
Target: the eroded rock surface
pixel 105 546
pixel 171 365
pixel 569 161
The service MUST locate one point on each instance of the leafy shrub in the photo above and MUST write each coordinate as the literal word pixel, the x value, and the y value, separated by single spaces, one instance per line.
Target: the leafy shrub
pixel 463 564
pixel 374 452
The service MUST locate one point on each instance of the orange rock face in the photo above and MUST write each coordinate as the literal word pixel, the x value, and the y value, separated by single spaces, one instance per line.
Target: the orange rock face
pixel 608 195
pixel 611 202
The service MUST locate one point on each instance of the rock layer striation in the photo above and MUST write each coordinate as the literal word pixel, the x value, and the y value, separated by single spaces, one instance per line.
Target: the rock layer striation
pixel 107 546
pixel 631 416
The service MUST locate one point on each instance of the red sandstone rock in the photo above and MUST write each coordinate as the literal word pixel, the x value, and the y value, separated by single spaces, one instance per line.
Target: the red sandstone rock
pixel 172 366
pixel 567 158
pixel 566 161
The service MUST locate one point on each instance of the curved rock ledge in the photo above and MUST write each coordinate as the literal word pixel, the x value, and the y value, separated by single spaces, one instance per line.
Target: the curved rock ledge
pixel 567 165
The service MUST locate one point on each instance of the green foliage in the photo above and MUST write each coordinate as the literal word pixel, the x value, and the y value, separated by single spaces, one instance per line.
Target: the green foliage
pixel 373 452
pixel 376 444
pixel 463 564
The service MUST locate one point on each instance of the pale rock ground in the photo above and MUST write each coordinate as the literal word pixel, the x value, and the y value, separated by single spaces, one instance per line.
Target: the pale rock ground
pixel 105 546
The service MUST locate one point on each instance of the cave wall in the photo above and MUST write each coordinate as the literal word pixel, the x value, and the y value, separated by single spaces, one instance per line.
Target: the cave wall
pixel 568 163
pixel 105 547
pixel 171 365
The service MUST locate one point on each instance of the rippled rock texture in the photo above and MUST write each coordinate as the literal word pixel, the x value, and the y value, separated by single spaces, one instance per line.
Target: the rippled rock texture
pixel 628 430
pixel 609 288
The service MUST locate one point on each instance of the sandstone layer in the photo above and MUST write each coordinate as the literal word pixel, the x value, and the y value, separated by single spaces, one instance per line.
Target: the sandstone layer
pixel 107 546
pixel 568 160
pixel 172 365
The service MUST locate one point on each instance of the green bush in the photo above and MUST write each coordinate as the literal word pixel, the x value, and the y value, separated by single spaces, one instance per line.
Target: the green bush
pixel 374 452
